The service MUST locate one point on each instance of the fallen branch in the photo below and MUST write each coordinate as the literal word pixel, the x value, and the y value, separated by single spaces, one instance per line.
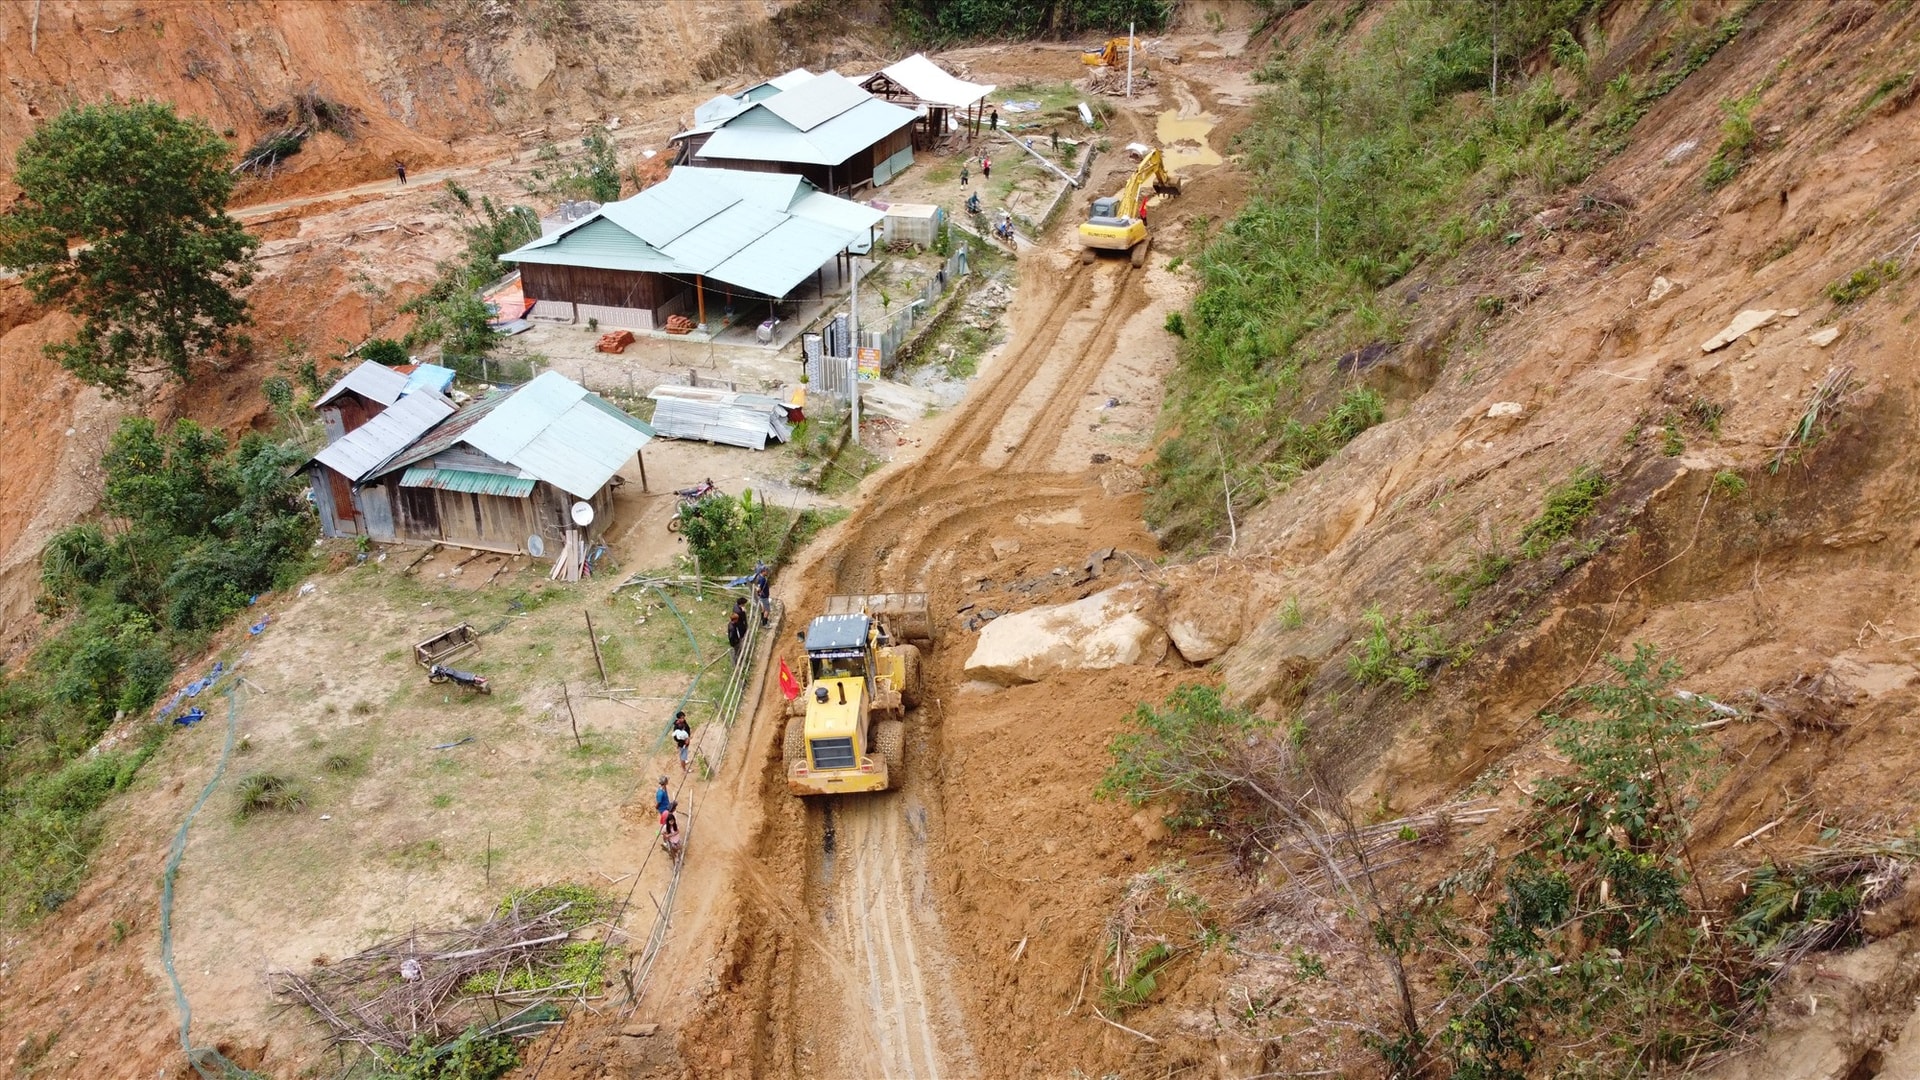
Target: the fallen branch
pixel 1136 1034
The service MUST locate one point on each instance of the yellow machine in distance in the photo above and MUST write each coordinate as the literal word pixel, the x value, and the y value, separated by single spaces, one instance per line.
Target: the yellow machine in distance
pixel 1113 53
pixel 847 732
pixel 1119 223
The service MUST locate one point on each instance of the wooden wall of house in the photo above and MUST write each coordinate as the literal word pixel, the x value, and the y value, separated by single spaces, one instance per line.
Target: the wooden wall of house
pixel 333 500
pixel 587 285
pixel 347 411
pixel 501 523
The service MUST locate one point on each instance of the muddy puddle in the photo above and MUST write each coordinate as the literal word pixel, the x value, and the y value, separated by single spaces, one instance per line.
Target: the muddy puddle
pixel 1184 139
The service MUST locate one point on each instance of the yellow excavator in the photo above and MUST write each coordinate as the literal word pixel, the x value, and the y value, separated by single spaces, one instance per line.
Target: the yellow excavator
pixel 1113 53
pixel 1119 223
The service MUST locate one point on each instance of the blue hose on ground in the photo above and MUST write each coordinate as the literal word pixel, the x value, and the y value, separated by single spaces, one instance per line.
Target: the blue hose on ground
pixel 205 1057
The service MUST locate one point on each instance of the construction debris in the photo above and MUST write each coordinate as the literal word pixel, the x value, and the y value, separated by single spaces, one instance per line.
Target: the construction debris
pixel 614 342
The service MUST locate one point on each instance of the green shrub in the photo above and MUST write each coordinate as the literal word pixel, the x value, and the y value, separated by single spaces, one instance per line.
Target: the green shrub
pixel 1737 140
pixel 472 1056
pixel 1176 754
pixel 583 903
pixel 1176 324
pixel 1400 651
pixel 729 535
pixel 1863 282
pixel 384 351
pixel 1567 504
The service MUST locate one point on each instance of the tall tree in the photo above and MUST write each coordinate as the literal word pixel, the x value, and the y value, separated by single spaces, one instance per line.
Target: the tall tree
pixel 143 192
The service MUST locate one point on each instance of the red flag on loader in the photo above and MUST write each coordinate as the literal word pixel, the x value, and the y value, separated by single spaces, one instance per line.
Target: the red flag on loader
pixel 789 685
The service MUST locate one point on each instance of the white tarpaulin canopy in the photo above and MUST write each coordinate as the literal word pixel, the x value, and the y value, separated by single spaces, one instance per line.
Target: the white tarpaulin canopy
pixel 925 80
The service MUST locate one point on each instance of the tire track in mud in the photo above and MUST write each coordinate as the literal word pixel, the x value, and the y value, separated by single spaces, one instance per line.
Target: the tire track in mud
pixel 878 913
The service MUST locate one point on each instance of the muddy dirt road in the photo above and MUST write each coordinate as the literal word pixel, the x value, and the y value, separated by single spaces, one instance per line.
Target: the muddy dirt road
pixel 863 977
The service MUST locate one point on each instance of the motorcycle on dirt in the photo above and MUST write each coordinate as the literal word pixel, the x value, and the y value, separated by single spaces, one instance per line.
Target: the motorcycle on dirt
pixel 442 674
pixel 689 496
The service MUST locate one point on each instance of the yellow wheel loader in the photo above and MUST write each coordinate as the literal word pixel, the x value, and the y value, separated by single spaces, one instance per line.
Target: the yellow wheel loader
pixel 1119 223
pixel 847 731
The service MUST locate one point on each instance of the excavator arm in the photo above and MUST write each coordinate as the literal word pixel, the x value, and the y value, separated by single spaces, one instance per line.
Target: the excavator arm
pixel 1119 223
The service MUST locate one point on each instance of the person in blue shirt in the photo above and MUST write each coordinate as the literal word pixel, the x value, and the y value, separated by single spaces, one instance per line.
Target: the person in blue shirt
pixel 662 800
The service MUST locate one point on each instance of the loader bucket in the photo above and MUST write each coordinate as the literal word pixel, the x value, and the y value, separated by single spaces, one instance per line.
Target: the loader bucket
pixel 907 616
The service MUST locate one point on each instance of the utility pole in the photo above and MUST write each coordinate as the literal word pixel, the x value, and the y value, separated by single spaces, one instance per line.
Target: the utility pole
pixel 1129 59
pixel 853 362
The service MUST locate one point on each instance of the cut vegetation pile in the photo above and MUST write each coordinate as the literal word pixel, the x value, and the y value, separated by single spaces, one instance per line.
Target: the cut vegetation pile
pixel 427 987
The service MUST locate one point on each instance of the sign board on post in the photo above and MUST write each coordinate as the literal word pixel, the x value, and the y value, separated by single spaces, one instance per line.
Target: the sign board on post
pixel 869 362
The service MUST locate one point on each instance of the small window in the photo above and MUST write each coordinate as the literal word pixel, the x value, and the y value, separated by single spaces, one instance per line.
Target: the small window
pixel 833 753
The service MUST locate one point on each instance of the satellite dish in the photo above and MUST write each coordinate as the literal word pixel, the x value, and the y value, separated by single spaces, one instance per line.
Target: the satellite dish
pixel 583 513
pixel 535 546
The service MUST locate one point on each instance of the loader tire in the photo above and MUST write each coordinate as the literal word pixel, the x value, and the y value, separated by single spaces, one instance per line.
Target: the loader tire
pixel 890 742
pixel 795 746
pixel 910 676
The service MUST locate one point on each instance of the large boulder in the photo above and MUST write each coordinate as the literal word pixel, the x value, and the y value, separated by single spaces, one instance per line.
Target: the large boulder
pixel 1205 622
pixel 1115 628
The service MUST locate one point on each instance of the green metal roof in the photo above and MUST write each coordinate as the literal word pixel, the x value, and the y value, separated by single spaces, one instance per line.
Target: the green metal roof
pixel 478 483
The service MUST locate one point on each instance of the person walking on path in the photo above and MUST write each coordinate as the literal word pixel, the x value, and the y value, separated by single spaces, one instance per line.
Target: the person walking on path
pixel 662 800
pixel 993 119
pixel 400 170
pixel 963 174
pixel 682 737
pixel 736 632
pixel 986 169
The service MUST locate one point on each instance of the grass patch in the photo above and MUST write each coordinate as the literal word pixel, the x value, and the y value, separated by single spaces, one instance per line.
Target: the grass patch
pixel 578 904
pixel 1737 143
pixel 1482 571
pixel 51 823
pixel 268 792
pixel 1862 283
pixel 815 520
pixel 1567 504
pixel 1403 652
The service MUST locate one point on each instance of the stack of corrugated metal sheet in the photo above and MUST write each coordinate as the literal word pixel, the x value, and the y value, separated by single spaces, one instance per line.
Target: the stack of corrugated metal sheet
pixel 719 416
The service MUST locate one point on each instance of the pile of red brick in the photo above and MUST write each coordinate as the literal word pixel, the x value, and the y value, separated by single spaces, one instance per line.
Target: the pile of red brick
pixel 615 342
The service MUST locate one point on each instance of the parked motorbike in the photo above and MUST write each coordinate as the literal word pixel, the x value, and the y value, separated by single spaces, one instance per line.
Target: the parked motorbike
pixel 441 674
pixel 689 496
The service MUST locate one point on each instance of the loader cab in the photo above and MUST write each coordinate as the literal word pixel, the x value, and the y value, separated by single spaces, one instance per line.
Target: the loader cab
pixel 840 647
pixel 840 666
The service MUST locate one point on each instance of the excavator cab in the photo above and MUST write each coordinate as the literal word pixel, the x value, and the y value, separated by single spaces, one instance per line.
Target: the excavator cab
pixel 1119 222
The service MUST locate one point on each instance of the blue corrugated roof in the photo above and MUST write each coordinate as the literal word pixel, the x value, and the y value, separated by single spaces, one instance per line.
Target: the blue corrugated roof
pixel 476 483
pixel 816 101
pixel 761 135
pixel 752 241
pixel 551 429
